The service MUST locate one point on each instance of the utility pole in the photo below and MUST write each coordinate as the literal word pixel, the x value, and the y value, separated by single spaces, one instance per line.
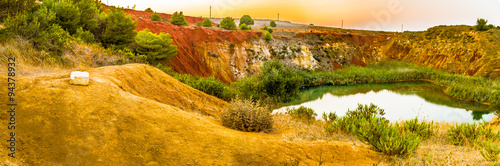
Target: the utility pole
pixel 278 16
pixel 342 23
pixel 402 28
pixel 210 12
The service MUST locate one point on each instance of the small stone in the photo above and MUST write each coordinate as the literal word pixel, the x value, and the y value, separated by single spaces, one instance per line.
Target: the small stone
pixel 79 78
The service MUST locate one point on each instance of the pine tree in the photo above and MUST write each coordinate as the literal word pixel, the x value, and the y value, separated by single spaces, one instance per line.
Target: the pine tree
pixel 178 19
pixel 482 25
pixel 228 23
pixel 246 19
pixel 272 23
pixel 155 17
pixel 11 7
pixel 120 29
pixel 244 27
pixel 267 36
pixel 155 47
pixel 207 23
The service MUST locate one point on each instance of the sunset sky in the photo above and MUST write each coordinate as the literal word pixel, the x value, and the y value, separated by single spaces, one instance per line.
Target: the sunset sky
pixel 386 15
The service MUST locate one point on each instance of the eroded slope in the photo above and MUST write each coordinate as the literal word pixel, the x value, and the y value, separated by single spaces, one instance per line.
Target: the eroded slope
pixel 137 115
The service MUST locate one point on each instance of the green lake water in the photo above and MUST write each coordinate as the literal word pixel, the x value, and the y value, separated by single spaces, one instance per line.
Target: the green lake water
pixel 401 101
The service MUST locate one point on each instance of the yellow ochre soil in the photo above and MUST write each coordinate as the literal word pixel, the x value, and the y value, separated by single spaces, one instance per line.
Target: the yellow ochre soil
pixel 137 115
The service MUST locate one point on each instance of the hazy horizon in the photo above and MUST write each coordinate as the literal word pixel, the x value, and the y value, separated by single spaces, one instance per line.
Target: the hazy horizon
pixel 387 15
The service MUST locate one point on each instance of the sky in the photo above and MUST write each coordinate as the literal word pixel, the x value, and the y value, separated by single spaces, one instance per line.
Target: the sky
pixel 387 15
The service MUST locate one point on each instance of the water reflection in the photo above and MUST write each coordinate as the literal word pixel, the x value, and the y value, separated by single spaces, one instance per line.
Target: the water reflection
pixel 401 101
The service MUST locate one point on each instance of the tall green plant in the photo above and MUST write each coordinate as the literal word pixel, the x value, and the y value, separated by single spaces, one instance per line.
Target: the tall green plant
pixel 149 10
pixel 244 27
pixel 303 113
pixel 246 19
pixel 386 138
pixel 178 19
pixel 120 29
pixel 267 36
pixel 470 134
pixel 228 23
pixel 279 82
pixel 272 23
pixel 482 24
pixel 490 151
pixel 422 129
pixel 155 47
pixel 207 23
pixel 13 7
pixel 155 17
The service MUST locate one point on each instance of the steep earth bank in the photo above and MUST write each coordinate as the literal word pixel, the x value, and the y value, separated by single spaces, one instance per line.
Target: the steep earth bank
pixel 230 55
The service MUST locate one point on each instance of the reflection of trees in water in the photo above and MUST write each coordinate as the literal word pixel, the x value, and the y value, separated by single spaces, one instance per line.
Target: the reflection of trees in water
pixel 427 91
pixel 478 115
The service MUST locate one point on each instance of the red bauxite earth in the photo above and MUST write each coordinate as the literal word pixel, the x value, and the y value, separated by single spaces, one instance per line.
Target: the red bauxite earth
pixel 188 60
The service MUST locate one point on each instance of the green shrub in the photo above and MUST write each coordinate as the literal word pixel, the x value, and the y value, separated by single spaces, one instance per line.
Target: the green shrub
pixel 246 19
pixel 84 35
pixel 228 23
pixel 178 19
pixel 267 36
pixel 89 11
pixel 120 29
pixel 247 116
pixel 12 7
pixel 210 85
pixel 244 27
pixel 303 113
pixel 279 82
pixel 265 28
pixel 198 24
pixel 73 14
pixel 481 25
pixel 39 27
pixel 249 87
pixel 207 23
pixel 272 23
pixel 68 15
pixel 353 118
pixel 386 138
pixel 270 30
pixel 54 38
pixel 149 10
pixel 330 117
pixel 166 69
pixel 215 87
pixel 469 134
pixel 490 151
pixel 155 17
pixel 422 129
pixel 155 47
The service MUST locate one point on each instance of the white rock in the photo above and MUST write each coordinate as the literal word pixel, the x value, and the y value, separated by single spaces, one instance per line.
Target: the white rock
pixel 79 78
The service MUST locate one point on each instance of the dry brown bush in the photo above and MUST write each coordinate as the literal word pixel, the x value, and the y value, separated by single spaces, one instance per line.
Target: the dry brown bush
pixel 246 115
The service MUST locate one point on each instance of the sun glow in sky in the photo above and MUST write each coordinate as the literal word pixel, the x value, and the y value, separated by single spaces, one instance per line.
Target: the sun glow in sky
pixel 386 15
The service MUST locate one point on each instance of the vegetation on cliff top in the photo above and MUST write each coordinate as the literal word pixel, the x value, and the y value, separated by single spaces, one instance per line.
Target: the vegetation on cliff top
pixel 207 23
pixel 156 48
pixel 178 19
pixel 246 19
pixel 228 23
